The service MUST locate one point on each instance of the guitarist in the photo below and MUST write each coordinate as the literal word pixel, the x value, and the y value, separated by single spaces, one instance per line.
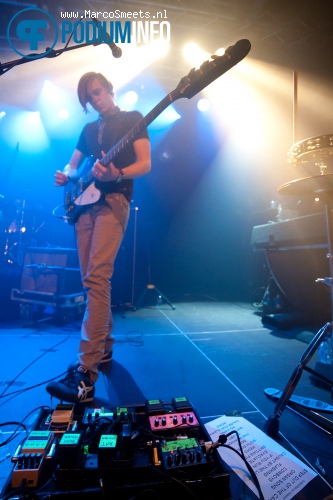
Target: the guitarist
pixel 101 227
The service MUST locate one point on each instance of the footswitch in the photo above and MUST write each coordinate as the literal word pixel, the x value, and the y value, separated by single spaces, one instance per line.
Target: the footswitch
pixel 173 420
pixel 27 470
pixel 181 404
pixel 61 420
pixel 154 406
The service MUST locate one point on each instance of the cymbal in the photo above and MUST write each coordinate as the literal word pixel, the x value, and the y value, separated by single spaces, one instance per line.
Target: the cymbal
pixel 318 184
pixel 314 148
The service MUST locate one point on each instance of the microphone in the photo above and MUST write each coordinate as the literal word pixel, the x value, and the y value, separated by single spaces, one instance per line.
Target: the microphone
pixel 116 51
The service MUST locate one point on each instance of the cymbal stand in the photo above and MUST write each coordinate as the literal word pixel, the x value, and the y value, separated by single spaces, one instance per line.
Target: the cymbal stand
pixel 160 297
pixel 150 288
pixel 20 242
pixel 271 427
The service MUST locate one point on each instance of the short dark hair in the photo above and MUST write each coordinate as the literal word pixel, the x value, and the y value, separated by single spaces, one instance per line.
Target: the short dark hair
pixel 83 84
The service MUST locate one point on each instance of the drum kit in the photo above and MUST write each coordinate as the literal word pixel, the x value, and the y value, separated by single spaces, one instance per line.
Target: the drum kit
pixel 318 150
pixel 17 231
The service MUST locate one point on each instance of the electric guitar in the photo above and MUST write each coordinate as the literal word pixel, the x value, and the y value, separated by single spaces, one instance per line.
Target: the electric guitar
pixel 81 191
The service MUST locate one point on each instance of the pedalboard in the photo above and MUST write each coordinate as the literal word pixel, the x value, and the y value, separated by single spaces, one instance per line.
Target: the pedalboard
pixel 127 449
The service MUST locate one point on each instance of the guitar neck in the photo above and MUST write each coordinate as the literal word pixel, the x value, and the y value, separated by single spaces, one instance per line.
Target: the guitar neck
pixel 189 86
pixel 136 130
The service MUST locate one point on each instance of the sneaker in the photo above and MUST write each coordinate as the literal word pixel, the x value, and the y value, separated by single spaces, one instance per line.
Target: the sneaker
pixel 76 387
pixel 107 358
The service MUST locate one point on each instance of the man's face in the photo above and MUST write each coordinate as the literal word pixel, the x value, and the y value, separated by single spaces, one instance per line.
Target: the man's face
pixel 99 97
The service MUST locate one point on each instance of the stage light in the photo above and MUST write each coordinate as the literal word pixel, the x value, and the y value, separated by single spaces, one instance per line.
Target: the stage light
pixel 131 97
pixel 203 105
pixel 58 109
pixel 220 52
pixel 128 100
pixel 195 55
pixel 166 118
pixel 33 118
pixel 138 59
pixel 2 114
pixel 64 114
pixel 50 92
pixel 27 126
pixel 99 59
pixel 165 156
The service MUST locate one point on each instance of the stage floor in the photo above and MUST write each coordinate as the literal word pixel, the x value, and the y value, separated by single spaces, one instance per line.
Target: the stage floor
pixel 217 354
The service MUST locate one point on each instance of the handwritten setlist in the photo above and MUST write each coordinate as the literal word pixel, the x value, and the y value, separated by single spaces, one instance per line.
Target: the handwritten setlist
pixel 281 475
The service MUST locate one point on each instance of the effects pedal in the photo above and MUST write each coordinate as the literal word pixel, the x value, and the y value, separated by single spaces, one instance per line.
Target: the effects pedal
pixel 173 420
pixel 125 414
pixel 29 459
pixel 61 419
pixel 182 453
pixel 107 449
pixel 70 448
pixel 93 414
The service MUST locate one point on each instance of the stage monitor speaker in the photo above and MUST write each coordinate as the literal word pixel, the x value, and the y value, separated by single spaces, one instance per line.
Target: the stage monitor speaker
pixel 51 270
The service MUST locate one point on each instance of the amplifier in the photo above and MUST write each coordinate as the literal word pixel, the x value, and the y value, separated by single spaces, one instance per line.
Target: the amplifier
pixel 51 270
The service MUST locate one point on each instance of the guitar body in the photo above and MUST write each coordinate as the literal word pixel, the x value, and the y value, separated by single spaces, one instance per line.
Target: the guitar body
pixel 85 192
pixel 82 193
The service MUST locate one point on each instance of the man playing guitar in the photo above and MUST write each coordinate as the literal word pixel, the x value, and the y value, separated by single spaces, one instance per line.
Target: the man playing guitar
pixel 100 227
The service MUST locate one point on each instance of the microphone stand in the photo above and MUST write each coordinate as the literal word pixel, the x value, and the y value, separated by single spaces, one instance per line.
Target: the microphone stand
pixel 50 55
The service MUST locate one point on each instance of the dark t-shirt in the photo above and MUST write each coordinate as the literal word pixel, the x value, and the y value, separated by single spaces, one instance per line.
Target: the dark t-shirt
pixel 113 130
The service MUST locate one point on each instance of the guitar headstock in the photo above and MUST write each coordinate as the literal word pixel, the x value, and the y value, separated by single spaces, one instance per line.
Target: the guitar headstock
pixel 198 79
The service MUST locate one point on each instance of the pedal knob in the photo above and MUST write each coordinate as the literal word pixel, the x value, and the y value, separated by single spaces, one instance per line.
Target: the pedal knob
pixel 175 420
pixel 177 458
pixel 184 458
pixel 190 418
pixel 170 461
pixel 199 456
pixel 163 421
pixel 156 422
pixel 184 419
pixel 192 458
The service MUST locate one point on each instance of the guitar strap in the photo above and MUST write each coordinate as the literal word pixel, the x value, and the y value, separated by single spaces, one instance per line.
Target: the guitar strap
pixel 101 126
pixel 103 121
